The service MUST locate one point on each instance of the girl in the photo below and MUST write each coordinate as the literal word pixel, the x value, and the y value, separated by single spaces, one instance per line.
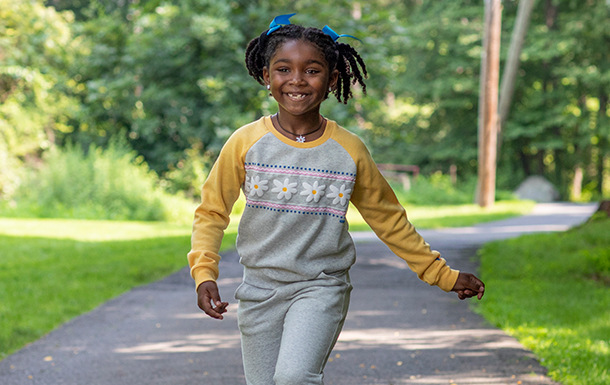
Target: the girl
pixel 299 171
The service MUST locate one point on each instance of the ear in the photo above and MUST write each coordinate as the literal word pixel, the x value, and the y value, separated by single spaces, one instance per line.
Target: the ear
pixel 266 75
pixel 332 81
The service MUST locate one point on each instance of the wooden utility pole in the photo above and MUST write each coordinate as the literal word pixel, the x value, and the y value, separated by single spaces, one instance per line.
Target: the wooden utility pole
pixel 488 104
pixel 509 74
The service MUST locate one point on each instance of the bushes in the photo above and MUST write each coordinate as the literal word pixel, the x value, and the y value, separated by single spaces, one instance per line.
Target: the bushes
pixel 437 189
pixel 97 184
pixel 116 184
pixel 11 171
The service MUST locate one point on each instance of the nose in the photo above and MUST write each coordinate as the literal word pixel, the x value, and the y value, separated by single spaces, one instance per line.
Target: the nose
pixel 297 78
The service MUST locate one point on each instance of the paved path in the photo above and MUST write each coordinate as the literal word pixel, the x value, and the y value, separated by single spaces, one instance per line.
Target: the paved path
pixel 398 331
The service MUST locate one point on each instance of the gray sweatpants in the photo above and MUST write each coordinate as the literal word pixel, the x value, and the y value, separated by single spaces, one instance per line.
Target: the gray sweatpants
pixel 288 332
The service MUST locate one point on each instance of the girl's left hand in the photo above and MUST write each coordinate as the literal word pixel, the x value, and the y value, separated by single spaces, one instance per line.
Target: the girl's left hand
pixel 468 285
pixel 209 301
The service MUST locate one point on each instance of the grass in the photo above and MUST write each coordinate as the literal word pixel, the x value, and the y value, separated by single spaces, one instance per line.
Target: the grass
pixel 551 291
pixel 52 270
pixel 48 281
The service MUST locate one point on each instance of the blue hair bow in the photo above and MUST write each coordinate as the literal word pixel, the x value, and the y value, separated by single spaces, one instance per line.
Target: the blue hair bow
pixel 334 35
pixel 277 22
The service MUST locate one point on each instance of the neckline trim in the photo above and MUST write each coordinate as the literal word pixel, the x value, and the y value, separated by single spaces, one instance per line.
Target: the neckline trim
pixel 328 130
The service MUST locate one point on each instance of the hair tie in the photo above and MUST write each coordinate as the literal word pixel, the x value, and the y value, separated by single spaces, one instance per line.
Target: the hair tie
pixel 275 24
pixel 334 35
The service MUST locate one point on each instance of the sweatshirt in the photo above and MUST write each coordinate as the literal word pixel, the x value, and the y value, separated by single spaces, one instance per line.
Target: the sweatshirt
pixel 293 227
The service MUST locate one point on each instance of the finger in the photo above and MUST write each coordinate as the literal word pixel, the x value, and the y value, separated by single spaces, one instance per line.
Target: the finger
pixel 221 307
pixel 207 297
pixel 213 293
pixel 471 282
pixel 480 288
pixel 214 312
pixel 221 304
pixel 217 307
pixel 481 292
pixel 477 286
pixel 205 304
pixel 476 283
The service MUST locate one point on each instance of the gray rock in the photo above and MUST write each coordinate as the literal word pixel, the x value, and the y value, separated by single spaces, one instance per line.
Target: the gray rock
pixel 537 188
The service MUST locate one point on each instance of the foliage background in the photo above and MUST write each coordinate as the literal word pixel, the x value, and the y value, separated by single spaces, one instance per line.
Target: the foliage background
pixel 167 78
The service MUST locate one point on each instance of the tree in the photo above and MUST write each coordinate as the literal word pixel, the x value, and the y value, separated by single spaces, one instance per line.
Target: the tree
pixel 511 67
pixel 163 76
pixel 488 105
pixel 427 111
pixel 559 124
pixel 35 103
pixel 169 76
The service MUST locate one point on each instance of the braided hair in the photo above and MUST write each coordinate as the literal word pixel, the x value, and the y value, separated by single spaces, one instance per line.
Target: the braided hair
pixel 339 56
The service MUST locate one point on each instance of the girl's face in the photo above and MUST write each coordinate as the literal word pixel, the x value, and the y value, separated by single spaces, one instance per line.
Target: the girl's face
pixel 299 77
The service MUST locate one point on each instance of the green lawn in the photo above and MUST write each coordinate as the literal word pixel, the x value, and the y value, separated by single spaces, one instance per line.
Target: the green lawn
pixel 552 292
pixel 52 270
pixel 45 282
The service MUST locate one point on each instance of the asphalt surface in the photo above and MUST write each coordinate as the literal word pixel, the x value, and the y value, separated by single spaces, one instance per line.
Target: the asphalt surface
pixel 399 330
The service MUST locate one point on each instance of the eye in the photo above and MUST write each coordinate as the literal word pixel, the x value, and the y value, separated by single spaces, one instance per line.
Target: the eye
pixel 313 71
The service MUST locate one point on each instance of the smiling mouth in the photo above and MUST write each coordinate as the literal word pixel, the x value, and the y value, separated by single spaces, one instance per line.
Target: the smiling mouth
pixel 296 96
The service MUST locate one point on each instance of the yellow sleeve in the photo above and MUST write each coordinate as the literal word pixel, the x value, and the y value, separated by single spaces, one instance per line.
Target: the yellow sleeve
pixel 378 205
pixel 218 194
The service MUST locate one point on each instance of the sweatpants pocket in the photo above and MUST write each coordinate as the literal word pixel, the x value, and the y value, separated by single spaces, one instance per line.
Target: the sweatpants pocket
pixel 341 278
pixel 247 292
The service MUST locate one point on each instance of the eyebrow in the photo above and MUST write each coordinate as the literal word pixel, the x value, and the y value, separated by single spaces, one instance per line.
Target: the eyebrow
pixel 289 61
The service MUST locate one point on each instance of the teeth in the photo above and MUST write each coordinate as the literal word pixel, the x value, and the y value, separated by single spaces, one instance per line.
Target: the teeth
pixel 296 96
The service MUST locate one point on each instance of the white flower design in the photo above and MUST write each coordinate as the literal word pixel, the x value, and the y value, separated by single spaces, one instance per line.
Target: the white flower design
pixel 340 194
pixel 258 186
pixel 285 189
pixel 313 192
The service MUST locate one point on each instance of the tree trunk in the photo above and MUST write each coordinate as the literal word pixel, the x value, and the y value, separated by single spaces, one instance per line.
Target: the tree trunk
pixel 551 14
pixel 525 162
pixel 511 66
pixel 604 206
pixel 488 104
pixel 559 157
pixel 577 183
pixel 602 145
pixel 600 169
pixel 539 157
pixel 548 81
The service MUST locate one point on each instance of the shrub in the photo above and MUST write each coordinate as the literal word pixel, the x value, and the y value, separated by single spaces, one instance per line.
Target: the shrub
pixel 98 184
pixel 437 189
pixel 189 174
pixel 11 173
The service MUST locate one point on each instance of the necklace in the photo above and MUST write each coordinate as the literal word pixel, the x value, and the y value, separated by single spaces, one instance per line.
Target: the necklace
pixel 299 138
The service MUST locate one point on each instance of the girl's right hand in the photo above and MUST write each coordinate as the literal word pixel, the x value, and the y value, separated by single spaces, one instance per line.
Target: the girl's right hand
pixel 208 300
